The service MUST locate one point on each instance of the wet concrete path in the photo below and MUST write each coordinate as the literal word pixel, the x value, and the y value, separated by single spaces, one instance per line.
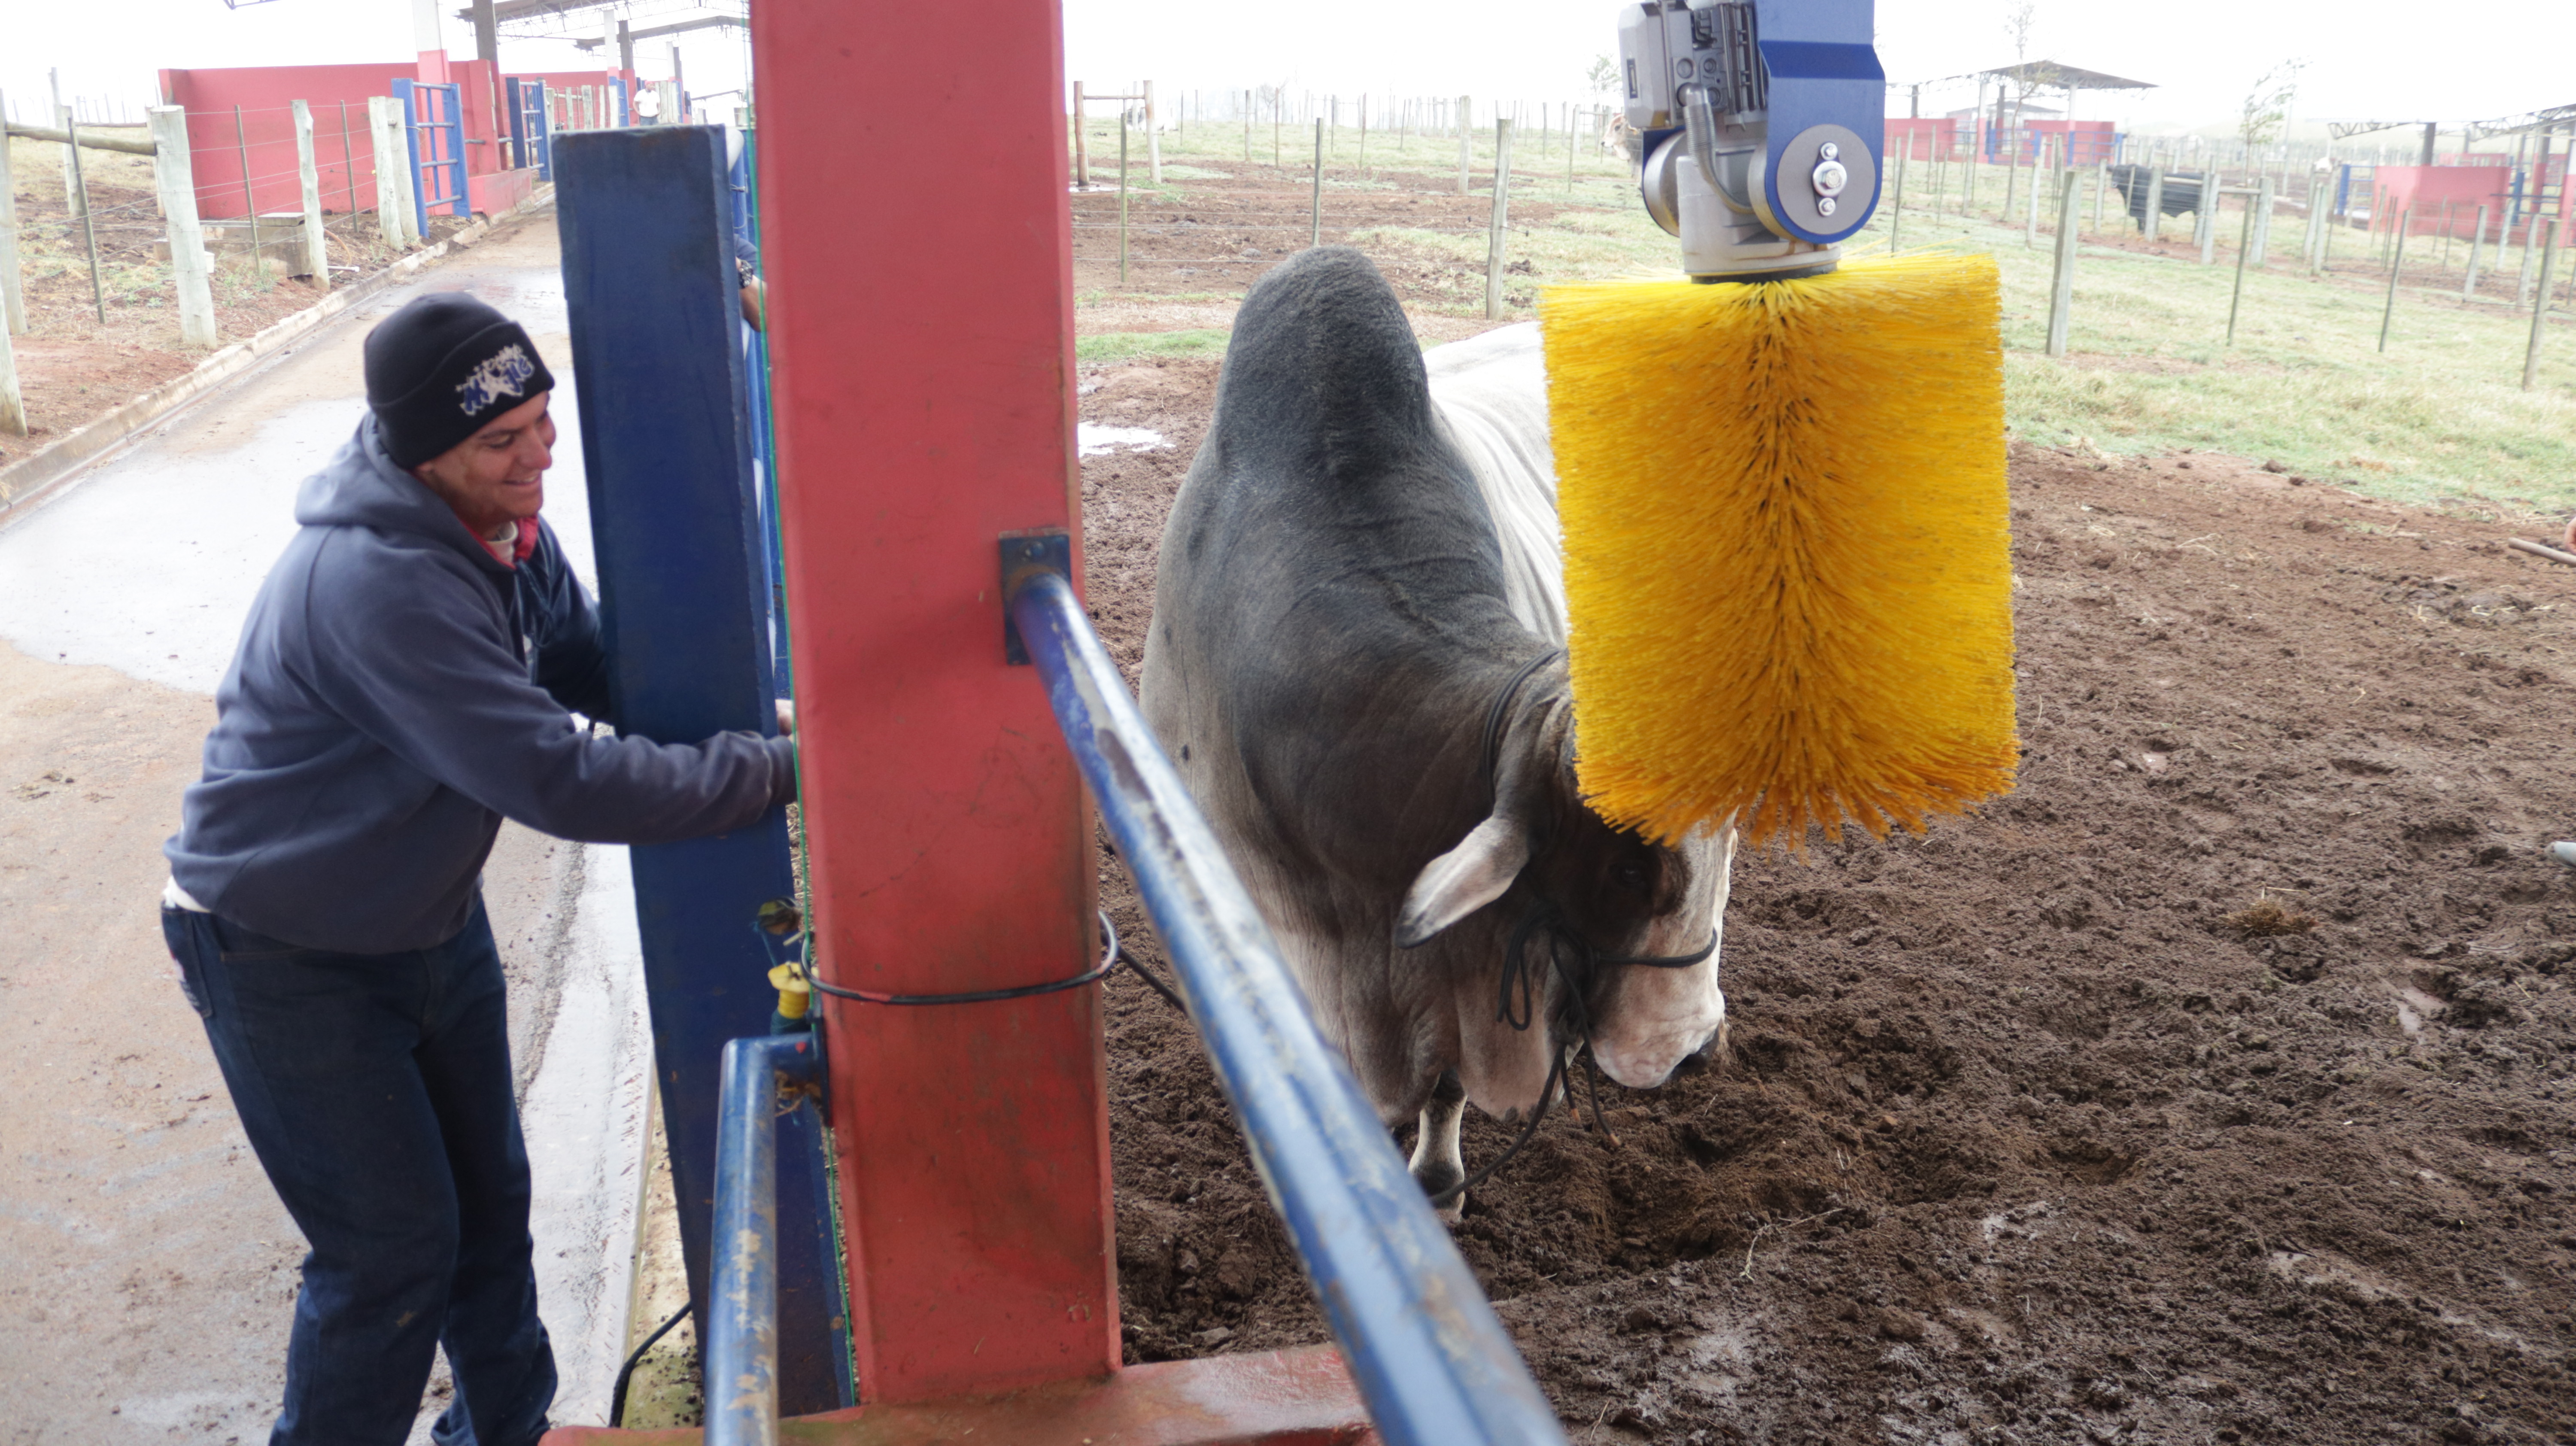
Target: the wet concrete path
pixel 152 1271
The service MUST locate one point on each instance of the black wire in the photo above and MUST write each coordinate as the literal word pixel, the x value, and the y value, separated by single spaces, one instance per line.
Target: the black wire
pixel 1108 961
pixel 1546 1097
pixel 617 1401
pixel 1156 984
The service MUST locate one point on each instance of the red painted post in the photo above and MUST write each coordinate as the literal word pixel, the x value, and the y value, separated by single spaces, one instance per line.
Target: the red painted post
pixel 922 376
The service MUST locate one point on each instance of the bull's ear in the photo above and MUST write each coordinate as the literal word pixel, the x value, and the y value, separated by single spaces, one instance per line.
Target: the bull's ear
pixel 1463 880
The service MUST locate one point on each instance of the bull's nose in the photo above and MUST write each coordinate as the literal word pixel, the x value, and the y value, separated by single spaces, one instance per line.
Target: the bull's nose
pixel 1644 1060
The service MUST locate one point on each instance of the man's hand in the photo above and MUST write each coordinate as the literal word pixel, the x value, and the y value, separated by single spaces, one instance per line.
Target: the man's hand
pixel 786 717
pixel 755 303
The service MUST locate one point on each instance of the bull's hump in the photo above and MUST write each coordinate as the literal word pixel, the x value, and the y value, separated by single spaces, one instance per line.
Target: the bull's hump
pixel 1323 376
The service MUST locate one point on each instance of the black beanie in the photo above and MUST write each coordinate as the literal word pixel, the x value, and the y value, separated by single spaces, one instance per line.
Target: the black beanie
pixel 441 367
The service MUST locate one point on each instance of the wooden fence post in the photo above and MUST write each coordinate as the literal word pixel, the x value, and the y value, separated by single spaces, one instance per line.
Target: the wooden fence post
pixel 2477 248
pixel 89 224
pixel 2205 229
pixel 393 164
pixel 73 195
pixel 317 256
pixel 2397 267
pixel 2061 290
pixel 174 177
pixel 13 299
pixel 2540 308
pixel 1896 201
pixel 1502 213
pixel 1081 143
pixel 13 409
pixel 1153 140
pixel 2317 233
pixel 1315 211
pixel 2259 238
pixel 2153 221
pixel 2246 241
pixel 1464 111
pixel 2530 249
pixel 1122 193
pixel 2030 228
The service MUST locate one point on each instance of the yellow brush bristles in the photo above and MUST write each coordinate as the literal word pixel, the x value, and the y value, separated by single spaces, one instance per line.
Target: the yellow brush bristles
pixel 1788 560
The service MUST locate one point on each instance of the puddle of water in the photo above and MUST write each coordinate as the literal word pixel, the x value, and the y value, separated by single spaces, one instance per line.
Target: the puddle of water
pixel 1095 441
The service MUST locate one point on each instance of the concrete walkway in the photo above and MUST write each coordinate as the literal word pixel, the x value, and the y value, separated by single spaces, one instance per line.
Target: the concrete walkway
pixel 152 1272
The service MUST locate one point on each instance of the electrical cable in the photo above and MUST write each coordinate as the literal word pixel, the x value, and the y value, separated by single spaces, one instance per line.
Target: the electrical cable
pixel 626 1373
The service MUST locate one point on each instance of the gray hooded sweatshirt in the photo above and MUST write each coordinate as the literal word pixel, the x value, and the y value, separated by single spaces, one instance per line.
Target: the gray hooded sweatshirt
pixel 397 692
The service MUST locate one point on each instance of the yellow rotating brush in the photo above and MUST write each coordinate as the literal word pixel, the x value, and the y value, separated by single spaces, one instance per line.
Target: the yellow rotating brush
pixel 1787 556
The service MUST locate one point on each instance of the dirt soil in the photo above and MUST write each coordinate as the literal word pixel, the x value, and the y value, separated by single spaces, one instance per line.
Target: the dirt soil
pixel 1231 230
pixel 2212 1086
pixel 71 366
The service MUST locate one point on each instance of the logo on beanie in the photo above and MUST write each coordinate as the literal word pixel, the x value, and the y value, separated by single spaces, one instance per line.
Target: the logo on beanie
pixel 502 374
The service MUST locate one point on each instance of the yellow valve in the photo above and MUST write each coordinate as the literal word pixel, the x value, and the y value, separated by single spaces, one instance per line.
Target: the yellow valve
pixel 795 995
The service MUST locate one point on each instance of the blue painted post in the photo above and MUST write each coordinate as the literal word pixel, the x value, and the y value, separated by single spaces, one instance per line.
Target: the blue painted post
pixel 452 159
pixel 658 362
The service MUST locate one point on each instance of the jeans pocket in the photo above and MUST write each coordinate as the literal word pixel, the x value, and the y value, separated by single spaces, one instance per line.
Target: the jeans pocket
pixel 178 931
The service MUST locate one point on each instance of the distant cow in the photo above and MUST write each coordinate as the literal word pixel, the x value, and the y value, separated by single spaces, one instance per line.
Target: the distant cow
pixel 2181 193
pixel 1356 660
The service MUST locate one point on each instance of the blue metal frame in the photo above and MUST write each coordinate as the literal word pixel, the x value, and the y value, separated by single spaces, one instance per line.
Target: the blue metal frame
pixel 1427 1352
pixel 764 1080
pixel 1823 64
pixel 530 136
pixel 666 436
pixel 445 164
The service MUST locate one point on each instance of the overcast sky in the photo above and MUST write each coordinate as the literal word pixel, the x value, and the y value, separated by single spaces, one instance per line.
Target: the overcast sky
pixel 2365 58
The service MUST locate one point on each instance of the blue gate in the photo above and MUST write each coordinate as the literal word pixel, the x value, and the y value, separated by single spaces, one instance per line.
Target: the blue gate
pixel 434 134
pixel 531 141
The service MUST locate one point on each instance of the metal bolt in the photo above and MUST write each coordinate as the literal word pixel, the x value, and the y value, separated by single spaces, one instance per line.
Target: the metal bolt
pixel 1824 205
pixel 1830 178
pixel 1829 151
pixel 1682 67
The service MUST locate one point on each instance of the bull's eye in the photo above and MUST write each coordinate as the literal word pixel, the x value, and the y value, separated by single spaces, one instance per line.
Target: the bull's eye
pixel 1633 876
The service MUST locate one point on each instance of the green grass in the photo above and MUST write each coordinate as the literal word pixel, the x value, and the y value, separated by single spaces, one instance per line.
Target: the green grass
pixel 2440 414
pixel 1124 345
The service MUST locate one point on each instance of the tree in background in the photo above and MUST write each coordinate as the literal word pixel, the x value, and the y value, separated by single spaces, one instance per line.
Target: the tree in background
pixel 1603 76
pixel 2267 105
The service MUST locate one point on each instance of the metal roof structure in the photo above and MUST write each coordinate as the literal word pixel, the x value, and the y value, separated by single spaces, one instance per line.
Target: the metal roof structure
pixel 2050 75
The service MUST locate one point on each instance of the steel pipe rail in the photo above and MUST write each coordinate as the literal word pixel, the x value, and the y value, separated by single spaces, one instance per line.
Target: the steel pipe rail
pixel 740 1313
pixel 1429 1356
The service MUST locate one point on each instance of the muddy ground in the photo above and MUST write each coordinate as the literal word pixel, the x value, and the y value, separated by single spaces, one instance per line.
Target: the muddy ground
pixel 2027 1133
pixel 1238 223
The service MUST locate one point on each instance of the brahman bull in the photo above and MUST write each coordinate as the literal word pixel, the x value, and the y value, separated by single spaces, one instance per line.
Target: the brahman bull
pixel 1356 660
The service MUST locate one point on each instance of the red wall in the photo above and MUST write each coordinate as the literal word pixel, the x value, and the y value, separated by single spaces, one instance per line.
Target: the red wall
pixel 1922 138
pixel 217 151
pixel 2092 141
pixel 266 137
pixel 2428 189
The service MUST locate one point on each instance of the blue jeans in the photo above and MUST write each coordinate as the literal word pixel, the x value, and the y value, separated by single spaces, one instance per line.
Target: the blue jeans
pixel 376 1089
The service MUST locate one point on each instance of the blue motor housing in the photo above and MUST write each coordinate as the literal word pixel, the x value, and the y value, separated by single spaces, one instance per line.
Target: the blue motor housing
pixel 1763 123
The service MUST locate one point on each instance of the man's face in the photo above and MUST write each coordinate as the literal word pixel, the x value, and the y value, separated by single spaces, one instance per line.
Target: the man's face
pixel 498 475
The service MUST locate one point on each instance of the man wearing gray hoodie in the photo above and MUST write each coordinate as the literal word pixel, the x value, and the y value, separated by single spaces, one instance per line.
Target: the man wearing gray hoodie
pixel 406 680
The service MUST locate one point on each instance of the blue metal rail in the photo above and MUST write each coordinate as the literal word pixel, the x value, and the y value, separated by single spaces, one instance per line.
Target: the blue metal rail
pixel 1430 1358
pixel 741 1309
pixel 1427 1352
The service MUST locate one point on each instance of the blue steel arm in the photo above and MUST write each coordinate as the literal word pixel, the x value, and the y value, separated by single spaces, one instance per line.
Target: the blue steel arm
pixel 741 1310
pixel 1426 1350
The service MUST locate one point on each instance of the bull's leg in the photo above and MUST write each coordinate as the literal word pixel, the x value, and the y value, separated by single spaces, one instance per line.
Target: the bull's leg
pixel 1436 1163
